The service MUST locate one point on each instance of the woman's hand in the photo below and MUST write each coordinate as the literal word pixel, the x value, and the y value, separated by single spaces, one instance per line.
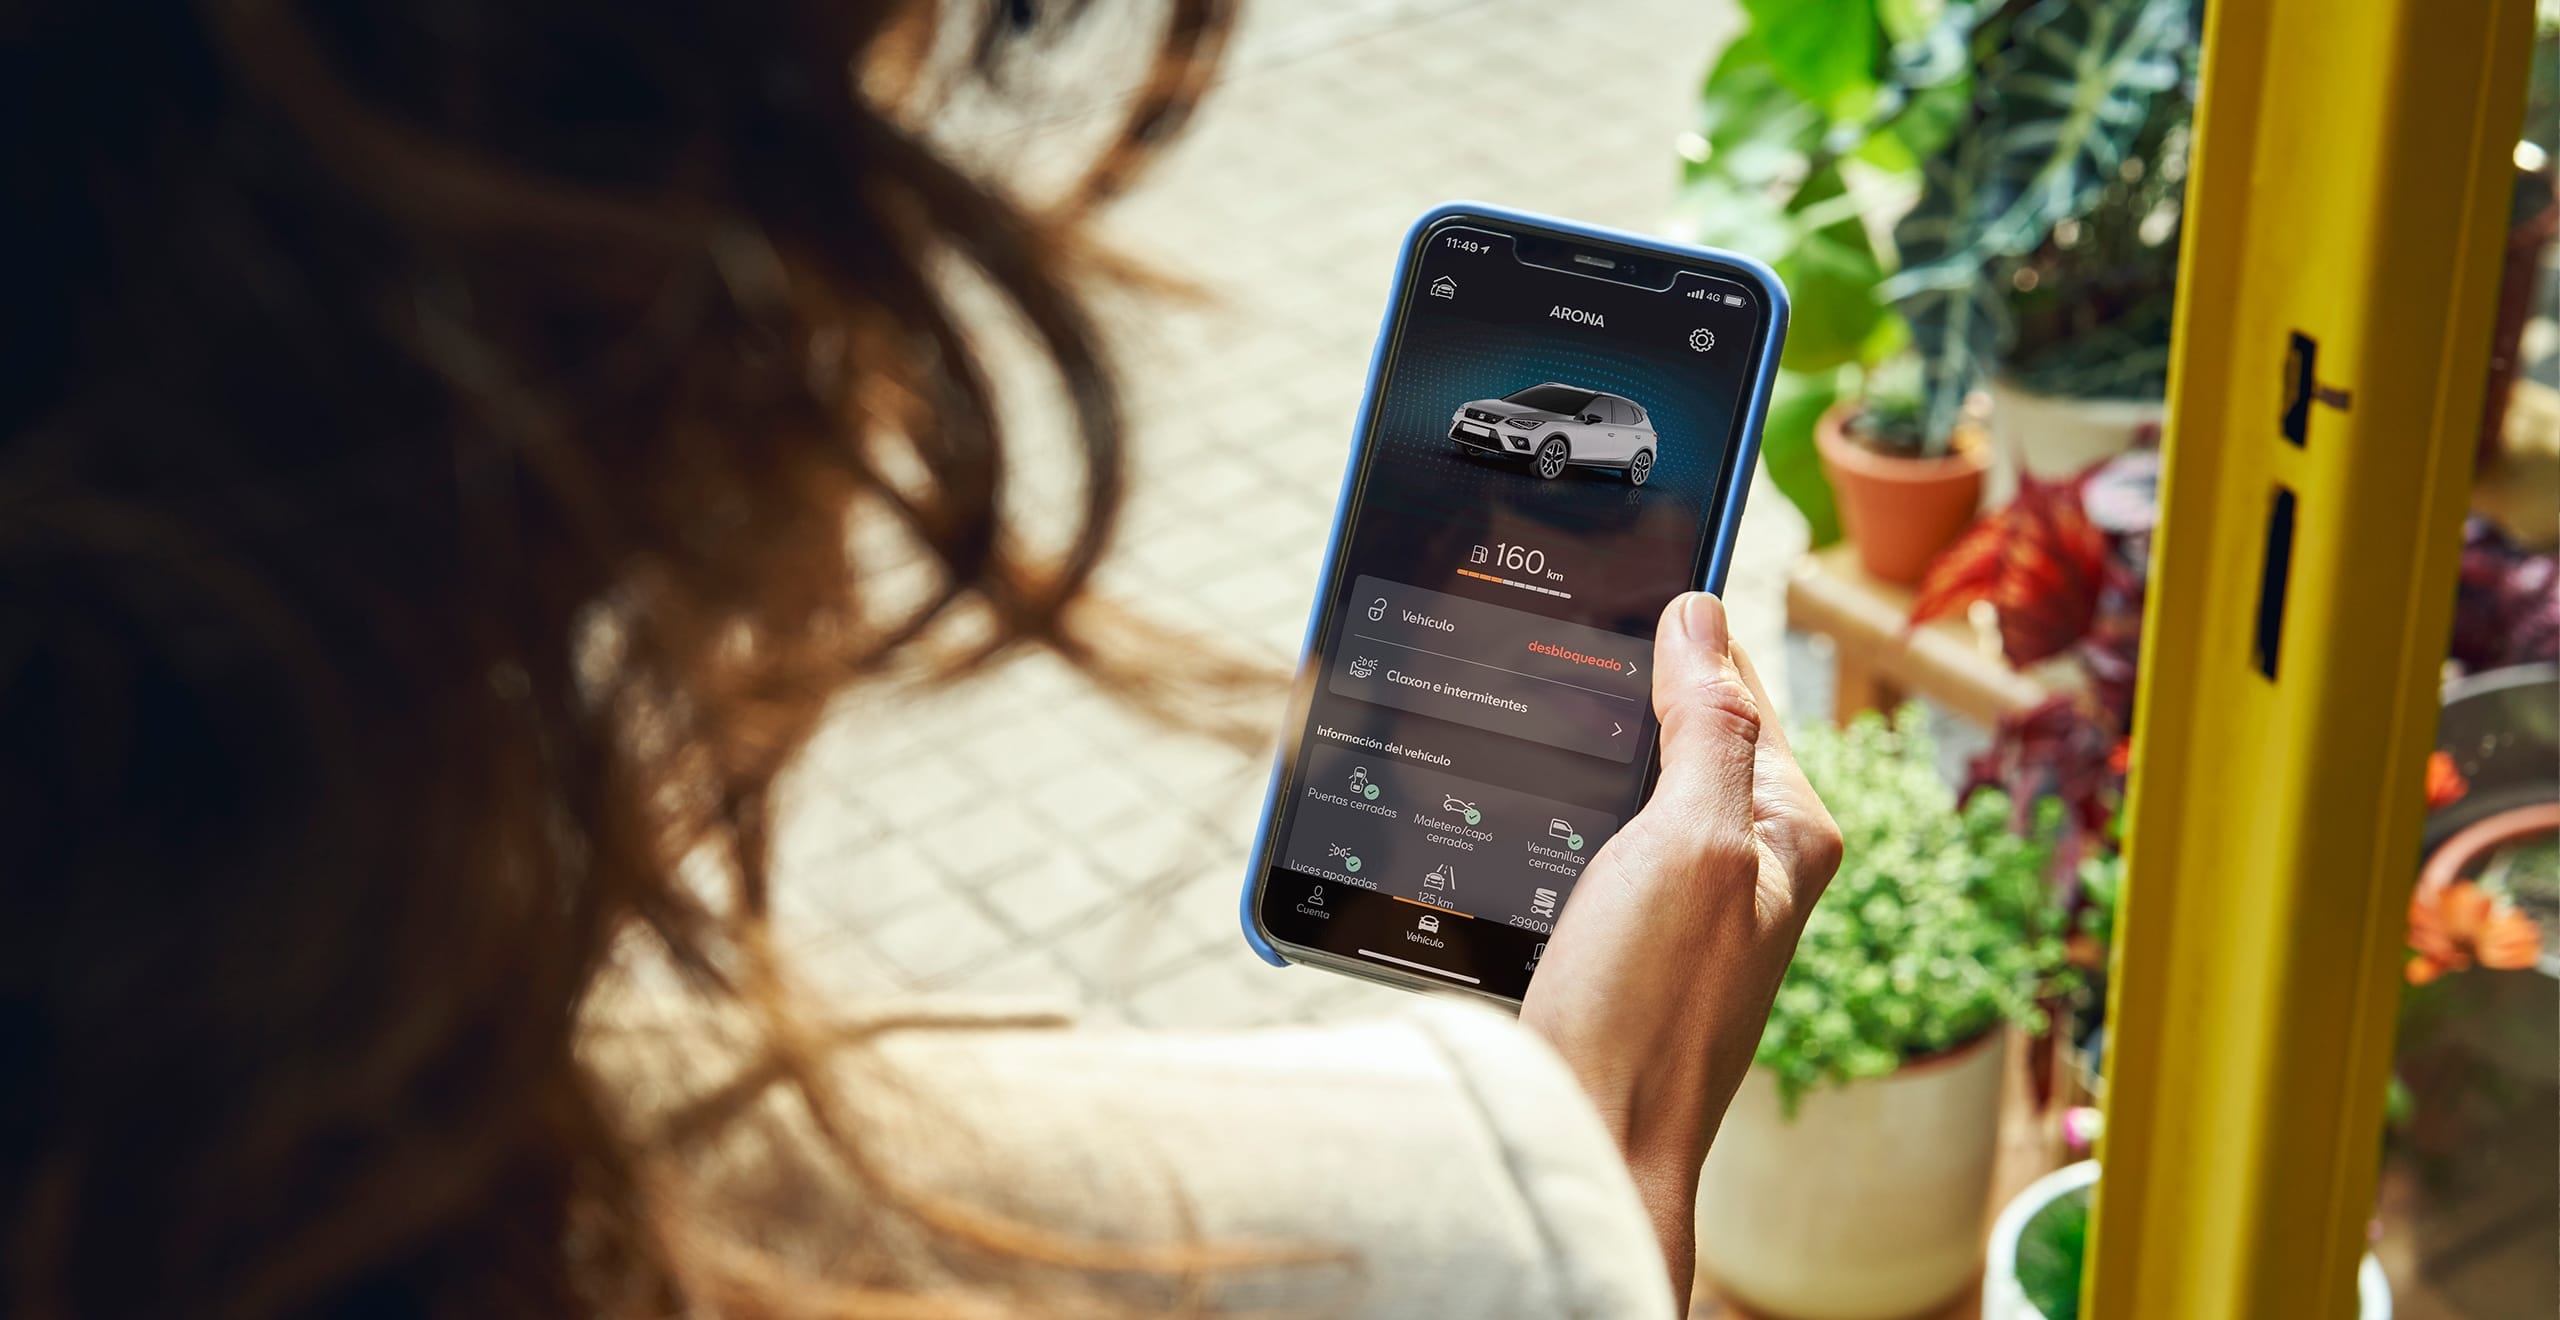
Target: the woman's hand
pixel 1659 975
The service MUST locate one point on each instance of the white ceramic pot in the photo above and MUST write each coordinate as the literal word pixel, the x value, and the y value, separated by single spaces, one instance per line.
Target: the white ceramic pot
pixel 1868 1205
pixel 2051 437
pixel 2003 1299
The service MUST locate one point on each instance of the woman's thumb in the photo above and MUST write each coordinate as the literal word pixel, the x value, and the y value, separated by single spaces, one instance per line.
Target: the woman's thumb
pixel 1710 723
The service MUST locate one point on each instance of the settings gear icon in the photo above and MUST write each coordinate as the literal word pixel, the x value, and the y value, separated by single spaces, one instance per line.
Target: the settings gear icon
pixel 1702 340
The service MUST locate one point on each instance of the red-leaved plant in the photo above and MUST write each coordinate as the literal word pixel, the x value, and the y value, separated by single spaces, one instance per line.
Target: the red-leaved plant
pixel 2041 563
pixel 2064 565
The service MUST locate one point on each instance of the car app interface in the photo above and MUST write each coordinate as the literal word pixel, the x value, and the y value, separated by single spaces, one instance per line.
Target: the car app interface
pixel 1546 449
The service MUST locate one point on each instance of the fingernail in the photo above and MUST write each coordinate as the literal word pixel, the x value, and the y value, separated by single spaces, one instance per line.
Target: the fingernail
pixel 1702 617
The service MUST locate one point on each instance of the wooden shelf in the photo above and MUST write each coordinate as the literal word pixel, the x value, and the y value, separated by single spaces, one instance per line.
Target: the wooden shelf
pixel 1883 661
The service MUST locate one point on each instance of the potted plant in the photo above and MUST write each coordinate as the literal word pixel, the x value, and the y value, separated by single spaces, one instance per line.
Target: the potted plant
pixel 2041 257
pixel 2476 1094
pixel 1904 492
pixel 1876 1085
pixel 2039 1247
pixel 2035 151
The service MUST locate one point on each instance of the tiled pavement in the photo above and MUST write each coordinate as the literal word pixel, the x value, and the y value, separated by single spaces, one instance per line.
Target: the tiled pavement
pixel 1023 834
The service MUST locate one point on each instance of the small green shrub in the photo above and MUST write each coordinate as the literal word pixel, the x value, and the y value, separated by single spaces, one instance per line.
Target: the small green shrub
pixel 1938 927
pixel 1893 417
pixel 2051 1250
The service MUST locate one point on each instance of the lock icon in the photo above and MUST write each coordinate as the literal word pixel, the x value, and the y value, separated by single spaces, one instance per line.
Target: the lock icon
pixel 1379 610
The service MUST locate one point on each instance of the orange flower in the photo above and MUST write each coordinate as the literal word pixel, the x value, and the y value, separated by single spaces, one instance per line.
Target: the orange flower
pixel 2445 784
pixel 2454 927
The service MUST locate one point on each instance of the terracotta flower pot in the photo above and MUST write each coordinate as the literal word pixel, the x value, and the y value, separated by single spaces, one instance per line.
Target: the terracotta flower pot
pixel 1900 512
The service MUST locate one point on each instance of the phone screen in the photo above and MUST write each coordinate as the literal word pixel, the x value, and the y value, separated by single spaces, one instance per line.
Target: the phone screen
pixel 1552 440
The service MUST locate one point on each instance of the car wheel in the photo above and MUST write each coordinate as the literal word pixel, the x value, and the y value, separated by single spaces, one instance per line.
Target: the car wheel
pixel 1642 468
pixel 1551 457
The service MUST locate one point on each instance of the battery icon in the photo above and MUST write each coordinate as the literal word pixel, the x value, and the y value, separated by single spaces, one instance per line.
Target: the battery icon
pixel 1733 299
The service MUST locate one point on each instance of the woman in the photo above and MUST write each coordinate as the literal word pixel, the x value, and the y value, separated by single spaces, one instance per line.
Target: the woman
pixel 427 458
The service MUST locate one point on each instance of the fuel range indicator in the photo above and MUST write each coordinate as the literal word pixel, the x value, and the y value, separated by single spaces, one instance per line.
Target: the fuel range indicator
pixel 1515 566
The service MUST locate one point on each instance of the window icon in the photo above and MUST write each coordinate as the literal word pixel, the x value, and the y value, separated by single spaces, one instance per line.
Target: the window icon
pixel 1444 287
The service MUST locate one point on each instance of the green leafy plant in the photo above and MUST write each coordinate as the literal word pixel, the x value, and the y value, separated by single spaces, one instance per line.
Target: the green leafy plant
pixel 2036 150
pixel 1893 416
pixel 2052 1250
pixel 2055 209
pixel 1938 927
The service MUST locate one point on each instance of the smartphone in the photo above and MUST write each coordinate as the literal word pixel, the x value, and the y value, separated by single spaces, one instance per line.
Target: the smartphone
pixel 1558 432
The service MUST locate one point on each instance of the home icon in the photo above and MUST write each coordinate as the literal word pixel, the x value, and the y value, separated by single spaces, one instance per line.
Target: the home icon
pixel 1444 287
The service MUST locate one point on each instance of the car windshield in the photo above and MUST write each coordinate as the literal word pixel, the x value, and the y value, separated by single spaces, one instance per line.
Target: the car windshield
pixel 1551 398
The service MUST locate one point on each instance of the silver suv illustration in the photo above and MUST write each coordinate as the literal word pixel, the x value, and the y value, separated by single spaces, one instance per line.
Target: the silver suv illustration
pixel 1559 426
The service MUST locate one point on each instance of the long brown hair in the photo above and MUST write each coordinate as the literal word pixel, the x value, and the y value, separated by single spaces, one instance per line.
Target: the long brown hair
pixel 431 437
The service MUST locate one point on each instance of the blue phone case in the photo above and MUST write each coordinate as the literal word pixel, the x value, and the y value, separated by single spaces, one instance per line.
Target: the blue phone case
pixel 1719 552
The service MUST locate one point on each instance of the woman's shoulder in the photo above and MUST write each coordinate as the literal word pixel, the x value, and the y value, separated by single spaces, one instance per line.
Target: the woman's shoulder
pixel 1441 1161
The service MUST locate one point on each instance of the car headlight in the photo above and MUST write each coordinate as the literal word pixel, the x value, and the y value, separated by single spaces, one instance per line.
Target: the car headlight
pixel 1525 423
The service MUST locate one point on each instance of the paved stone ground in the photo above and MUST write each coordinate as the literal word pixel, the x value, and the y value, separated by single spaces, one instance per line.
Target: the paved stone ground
pixel 1023 834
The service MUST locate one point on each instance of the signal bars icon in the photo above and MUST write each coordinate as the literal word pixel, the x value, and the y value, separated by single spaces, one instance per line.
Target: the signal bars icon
pixel 1699 294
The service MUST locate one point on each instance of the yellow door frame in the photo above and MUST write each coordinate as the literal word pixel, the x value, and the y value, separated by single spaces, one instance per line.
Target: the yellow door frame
pixel 2344 227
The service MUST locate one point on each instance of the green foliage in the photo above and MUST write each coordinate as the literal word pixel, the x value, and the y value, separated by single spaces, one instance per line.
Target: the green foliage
pixel 2052 1249
pixel 1938 927
pixel 1812 85
pixel 1787 450
pixel 2045 139
pixel 2102 886
pixel 2092 304
pixel 2074 94
pixel 1831 275
pixel 1823 50
pixel 2065 98
pixel 1893 417
pixel 1957 325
